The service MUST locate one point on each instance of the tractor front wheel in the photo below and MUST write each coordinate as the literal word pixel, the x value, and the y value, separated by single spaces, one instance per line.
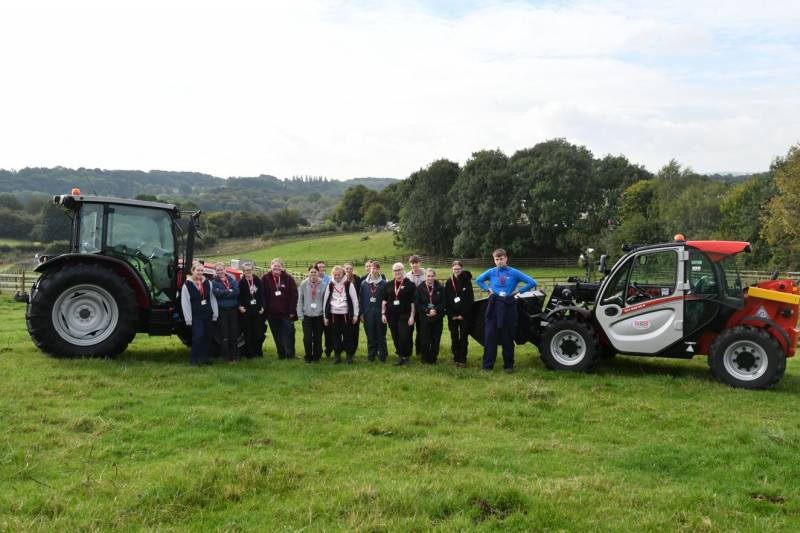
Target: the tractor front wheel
pixel 569 345
pixel 747 358
pixel 82 310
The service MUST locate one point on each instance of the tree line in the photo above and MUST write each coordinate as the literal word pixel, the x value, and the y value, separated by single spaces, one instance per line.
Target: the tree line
pixel 556 198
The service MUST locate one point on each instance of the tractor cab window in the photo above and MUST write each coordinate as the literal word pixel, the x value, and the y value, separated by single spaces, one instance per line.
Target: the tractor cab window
pixel 702 277
pixel 653 275
pixel 143 237
pixel 91 233
pixel 733 282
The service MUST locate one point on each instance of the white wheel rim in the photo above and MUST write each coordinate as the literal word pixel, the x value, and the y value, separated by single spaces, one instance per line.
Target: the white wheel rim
pixel 568 347
pixel 745 360
pixel 85 315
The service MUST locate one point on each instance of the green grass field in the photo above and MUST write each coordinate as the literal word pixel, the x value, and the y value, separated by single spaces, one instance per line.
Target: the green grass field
pixel 147 442
pixel 344 246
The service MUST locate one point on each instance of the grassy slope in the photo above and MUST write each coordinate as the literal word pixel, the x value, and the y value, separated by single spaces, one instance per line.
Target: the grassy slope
pixel 146 441
pixel 345 246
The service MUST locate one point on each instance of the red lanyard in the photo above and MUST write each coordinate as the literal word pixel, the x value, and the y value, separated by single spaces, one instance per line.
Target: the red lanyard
pixel 313 290
pixel 430 293
pixel 373 288
pixel 340 291
pixel 397 289
pixel 251 283
pixel 201 289
pixel 226 282
pixel 277 281
pixel 453 281
pixel 501 278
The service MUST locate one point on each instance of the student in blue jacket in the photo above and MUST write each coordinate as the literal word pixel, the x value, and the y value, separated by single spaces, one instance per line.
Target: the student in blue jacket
pixel 226 291
pixel 501 313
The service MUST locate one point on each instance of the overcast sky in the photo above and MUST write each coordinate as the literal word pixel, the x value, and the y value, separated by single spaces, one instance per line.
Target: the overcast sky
pixel 348 89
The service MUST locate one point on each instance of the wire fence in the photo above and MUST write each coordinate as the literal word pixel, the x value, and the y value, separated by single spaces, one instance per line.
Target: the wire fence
pixel 22 279
pixel 387 260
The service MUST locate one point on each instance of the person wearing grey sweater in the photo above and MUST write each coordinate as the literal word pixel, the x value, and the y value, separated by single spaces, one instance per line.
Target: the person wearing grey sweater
pixel 199 307
pixel 309 312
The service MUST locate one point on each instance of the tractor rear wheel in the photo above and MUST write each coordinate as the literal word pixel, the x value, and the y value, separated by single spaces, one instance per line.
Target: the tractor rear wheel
pixel 569 345
pixel 747 358
pixel 82 310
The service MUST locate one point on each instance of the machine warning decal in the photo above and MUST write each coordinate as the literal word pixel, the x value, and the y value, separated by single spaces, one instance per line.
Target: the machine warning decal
pixel 641 323
pixel 762 313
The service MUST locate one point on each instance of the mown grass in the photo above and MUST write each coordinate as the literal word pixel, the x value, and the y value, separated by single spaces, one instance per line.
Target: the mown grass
pixel 147 442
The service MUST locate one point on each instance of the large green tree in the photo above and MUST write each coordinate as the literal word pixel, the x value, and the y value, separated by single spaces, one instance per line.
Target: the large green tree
pixel 554 180
pixel 486 210
pixel 740 216
pixel 781 229
pixel 425 219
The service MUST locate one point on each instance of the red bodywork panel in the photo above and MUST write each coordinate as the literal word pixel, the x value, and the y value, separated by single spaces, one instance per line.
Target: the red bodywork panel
pixel 719 250
pixel 782 328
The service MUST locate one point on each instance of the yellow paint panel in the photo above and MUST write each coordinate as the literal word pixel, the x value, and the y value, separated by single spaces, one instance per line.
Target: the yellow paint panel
pixel 776 296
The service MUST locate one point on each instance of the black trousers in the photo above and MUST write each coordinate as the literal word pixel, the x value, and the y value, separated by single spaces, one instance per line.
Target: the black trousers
pixel 328 340
pixel 343 335
pixel 459 339
pixel 283 335
pixel 254 333
pixel 429 335
pixel 228 333
pixel 401 333
pixel 312 337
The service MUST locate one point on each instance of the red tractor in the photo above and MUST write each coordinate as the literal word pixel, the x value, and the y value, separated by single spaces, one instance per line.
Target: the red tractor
pixel 122 275
pixel 678 300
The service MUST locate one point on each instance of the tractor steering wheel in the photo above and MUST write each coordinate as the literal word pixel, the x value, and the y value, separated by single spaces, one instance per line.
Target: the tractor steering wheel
pixel 641 290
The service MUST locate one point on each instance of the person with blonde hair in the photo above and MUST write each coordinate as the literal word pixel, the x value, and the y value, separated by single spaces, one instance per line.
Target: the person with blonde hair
pixel 397 311
pixel 340 304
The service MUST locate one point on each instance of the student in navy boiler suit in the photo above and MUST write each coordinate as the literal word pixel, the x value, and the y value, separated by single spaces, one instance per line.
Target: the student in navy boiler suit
pixel 501 313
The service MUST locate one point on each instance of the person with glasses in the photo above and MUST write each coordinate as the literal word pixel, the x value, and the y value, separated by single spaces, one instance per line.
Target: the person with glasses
pixel 459 299
pixel 251 309
pixel 501 313
pixel 397 311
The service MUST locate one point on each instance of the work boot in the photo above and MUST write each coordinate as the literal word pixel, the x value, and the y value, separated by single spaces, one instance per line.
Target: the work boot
pixel 402 362
pixel 337 359
pixel 349 359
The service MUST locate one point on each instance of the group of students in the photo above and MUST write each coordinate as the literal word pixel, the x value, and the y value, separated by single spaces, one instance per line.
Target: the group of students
pixel 331 309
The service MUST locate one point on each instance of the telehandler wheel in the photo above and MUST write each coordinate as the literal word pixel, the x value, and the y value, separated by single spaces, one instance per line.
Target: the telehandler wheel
pixel 747 358
pixel 570 345
pixel 82 310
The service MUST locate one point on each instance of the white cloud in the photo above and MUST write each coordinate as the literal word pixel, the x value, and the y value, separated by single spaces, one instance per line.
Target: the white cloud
pixel 375 88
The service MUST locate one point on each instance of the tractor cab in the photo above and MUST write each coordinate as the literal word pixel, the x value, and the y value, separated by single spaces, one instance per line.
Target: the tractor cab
pixel 139 233
pixel 658 297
